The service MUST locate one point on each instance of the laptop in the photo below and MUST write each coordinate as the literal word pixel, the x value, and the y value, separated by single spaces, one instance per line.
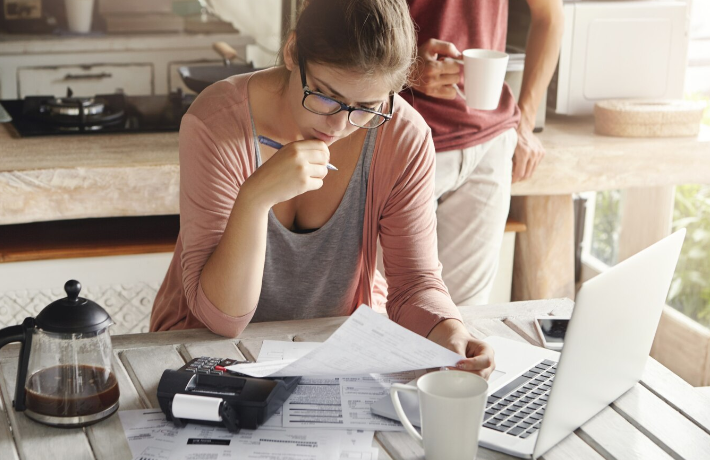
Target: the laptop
pixel 537 397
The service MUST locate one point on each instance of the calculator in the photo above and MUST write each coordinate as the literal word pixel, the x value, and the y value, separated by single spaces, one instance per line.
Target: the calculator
pixel 204 391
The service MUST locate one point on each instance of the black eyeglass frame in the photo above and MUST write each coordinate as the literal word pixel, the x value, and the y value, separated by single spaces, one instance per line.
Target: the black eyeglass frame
pixel 307 92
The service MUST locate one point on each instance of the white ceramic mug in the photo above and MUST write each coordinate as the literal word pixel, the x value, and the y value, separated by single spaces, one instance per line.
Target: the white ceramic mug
pixel 483 76
pixel 451 406
pixel 79 14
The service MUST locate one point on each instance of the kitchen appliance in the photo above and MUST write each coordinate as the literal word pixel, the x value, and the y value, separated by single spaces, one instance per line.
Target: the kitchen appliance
pixel 204 391
pixel 619 49
pixel 64 373
pixel 104 113
pixel 198 78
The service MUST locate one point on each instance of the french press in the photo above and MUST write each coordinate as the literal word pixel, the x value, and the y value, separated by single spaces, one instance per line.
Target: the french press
pixel 64 374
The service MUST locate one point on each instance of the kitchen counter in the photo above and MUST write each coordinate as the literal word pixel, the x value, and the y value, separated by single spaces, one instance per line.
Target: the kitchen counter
pixel 70 177
pixel 49 43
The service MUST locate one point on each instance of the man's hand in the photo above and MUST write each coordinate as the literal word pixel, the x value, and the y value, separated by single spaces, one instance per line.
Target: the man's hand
pixel 528 154
pixel 452 334
pixel 434 76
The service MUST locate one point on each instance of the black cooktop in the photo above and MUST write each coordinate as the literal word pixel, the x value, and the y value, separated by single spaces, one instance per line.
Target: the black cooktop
pixel 100 114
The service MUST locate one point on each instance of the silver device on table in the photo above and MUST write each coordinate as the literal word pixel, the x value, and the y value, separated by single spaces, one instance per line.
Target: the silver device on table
pixel 606 346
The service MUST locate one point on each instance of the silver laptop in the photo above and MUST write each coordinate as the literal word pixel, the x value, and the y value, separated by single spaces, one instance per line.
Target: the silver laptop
pixel 606 346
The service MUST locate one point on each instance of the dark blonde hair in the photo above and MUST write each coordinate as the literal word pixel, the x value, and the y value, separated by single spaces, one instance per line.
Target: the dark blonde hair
pixel 375 37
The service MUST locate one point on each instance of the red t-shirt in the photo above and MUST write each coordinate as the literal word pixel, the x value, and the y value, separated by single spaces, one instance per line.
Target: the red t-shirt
pixel 466 24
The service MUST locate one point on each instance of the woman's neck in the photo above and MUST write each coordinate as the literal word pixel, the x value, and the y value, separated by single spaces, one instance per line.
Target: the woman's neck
pixel 268 97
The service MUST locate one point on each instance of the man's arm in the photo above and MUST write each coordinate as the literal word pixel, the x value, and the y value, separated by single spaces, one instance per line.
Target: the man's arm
pixel 541 54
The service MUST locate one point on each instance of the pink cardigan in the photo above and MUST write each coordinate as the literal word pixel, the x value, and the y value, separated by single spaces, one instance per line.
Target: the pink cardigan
pixel 217 155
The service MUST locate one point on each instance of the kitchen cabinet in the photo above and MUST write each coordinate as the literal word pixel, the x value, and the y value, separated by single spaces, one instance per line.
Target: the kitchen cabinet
pixel 140 64
pixel 86 80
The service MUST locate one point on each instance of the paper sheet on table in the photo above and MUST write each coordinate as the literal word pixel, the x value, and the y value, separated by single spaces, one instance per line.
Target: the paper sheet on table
pixel 151 437
pixel 332 402
pixel 367 343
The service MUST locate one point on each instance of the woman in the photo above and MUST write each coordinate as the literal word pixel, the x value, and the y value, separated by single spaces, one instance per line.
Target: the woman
pixel 271 234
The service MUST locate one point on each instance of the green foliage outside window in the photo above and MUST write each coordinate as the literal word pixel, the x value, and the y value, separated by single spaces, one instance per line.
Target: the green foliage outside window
pixel 690 289
pixel 605 238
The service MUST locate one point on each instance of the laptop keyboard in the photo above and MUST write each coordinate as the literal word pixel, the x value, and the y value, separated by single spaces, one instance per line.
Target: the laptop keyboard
pixel 517 408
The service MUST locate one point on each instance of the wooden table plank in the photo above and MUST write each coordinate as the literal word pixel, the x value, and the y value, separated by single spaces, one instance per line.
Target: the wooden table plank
pixel 36 441
pixel 482 328
pixel 572 447
pixel 677 392
pixel 250 348
pixel 221 349
pixel 615 438
pixel 668 428
pixel 7 443
pixel 402 447
pixel 527 308
pixel 277 330
pixel 146 366
pixel 106 438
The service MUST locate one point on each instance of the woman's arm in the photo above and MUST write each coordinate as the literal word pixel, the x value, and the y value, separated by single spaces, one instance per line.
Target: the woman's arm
pixel 417 297
pixel 224 216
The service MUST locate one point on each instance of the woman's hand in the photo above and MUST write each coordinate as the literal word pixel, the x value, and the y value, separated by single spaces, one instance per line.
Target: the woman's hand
pixel 294 169
pixel 452 334
pixel 435 77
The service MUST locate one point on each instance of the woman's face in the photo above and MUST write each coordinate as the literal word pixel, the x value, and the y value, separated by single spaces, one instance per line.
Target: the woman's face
pixel 349 87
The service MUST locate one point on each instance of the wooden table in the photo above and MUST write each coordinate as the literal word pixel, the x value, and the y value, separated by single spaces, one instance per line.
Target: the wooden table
pixel 660 418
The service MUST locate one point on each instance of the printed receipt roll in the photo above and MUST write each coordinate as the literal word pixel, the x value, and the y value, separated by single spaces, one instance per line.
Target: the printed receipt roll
pixel 197 407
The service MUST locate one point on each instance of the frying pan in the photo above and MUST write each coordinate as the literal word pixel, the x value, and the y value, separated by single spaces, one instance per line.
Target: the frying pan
pixel 198 78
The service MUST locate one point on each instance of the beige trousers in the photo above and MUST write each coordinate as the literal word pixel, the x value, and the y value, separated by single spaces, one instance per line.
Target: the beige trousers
pixel 472 188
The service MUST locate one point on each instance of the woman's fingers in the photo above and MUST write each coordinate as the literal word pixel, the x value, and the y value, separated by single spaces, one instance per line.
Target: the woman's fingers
pixel 475 363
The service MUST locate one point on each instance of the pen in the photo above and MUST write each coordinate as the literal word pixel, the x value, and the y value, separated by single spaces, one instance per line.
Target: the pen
pixel 275 145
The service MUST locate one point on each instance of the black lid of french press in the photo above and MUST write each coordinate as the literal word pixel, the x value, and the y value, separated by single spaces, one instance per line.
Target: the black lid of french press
pixel 73 313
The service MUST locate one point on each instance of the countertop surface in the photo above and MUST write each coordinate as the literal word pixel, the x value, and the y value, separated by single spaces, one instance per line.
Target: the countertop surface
pixel 49 178
pixel 661 417
pixel 13 44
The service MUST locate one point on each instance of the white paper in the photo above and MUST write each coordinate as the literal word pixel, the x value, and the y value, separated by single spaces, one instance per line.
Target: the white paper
pixel 342 402
pixel 279 350
pixel 151 437
pixel 332 402
pixel 366 343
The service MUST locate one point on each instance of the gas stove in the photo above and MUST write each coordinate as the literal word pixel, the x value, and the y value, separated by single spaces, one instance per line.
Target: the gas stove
pixel 103 113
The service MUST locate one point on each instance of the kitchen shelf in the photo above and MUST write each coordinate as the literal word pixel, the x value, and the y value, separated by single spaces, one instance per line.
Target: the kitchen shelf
pixel 88 238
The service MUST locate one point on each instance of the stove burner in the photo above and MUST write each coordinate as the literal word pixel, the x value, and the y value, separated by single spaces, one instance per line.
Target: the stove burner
pixel 103 113
pixel 77 113
pixel 73 106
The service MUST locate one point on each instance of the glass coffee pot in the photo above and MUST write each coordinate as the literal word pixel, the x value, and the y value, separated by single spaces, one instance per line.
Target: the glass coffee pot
pixel 64 374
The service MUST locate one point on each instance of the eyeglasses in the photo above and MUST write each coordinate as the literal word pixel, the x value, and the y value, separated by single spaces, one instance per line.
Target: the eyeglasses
pixel 320 104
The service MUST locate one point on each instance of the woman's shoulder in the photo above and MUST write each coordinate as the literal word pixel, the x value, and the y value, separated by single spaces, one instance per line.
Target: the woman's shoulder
pixel 225 95
pixel 407 127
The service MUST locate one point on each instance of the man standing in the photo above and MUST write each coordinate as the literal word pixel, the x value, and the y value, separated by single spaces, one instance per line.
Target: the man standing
pixel 475 148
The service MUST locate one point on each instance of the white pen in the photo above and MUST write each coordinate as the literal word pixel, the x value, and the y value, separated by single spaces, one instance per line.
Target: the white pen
pixel 275 145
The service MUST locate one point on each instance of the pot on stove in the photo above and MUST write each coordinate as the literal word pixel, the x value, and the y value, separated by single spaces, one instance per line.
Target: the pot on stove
pixel 64 375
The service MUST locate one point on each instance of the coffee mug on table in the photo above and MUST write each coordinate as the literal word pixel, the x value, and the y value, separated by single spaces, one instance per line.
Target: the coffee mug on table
pixel 483 74
pixel 451 406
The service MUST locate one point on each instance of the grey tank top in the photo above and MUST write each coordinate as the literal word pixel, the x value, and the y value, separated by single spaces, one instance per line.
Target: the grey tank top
pixel 316 274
